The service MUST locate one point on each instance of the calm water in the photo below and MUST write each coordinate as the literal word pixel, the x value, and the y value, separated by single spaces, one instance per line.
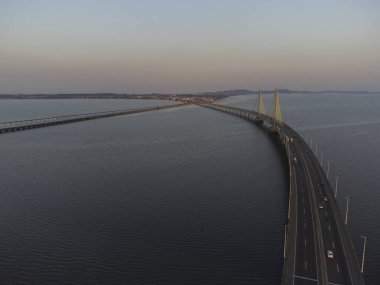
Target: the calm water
pixel 181 196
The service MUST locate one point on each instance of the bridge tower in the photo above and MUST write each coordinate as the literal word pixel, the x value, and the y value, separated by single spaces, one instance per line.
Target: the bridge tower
pixel 276 113
pixel 260 108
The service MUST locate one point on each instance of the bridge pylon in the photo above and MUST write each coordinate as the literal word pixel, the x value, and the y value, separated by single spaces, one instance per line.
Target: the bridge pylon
pixel 260 108
pixel 276 113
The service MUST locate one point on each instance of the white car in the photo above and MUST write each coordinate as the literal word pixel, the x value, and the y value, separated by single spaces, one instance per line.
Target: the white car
pixel 330 254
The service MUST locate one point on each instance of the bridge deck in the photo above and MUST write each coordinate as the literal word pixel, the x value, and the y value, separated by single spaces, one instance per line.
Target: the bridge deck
pixel 314 225
pixel 14 126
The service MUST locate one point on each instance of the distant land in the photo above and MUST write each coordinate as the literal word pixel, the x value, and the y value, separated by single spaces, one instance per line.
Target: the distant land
pixel 215 95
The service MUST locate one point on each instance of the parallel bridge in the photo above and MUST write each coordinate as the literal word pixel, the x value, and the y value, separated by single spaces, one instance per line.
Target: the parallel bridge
pixel 14 126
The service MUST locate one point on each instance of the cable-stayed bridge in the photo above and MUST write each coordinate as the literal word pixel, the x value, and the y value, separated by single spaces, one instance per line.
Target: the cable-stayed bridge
pixel 318 248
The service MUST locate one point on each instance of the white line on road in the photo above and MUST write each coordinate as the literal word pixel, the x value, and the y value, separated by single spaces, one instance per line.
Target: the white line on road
pixel 326 213
pixel 305 242
pixel 303 200
pixel 306 278
pixel 337 267
pixel 329 228
pixel 333 244
pixel 304 211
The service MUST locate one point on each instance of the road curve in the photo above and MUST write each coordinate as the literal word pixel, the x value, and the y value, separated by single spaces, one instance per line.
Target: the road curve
pixel 315 225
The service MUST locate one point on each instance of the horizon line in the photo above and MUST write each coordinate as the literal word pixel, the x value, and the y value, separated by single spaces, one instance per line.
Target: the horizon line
pixel 192 93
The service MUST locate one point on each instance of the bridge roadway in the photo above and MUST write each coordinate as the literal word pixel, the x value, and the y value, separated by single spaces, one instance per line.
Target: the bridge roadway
pixel 15 126
pixel 311 230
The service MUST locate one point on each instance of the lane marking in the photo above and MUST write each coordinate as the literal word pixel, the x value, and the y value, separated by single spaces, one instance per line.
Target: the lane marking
pixel 337 267
pixel 304 211
pixel 304 224
pixel 329 228
pixel 305 242
pixel 333 244
pixel 306 278
pixel 303 200
pixel 316 224
pixel 326 213
pixel 306 265
pixel 312 279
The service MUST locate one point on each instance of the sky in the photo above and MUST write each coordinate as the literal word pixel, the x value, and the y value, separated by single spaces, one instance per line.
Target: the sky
pixel 181 46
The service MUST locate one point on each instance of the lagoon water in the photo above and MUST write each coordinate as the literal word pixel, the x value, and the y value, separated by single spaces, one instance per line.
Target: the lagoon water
pixel 177 196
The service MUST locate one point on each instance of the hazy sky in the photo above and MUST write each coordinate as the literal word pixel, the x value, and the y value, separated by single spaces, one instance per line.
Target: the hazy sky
pixel 179 46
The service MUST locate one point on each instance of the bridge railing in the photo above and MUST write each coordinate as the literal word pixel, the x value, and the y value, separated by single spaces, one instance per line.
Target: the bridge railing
pixel 28 122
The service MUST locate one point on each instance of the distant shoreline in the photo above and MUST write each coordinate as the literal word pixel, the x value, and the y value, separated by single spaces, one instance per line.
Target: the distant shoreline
pixel 162 96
